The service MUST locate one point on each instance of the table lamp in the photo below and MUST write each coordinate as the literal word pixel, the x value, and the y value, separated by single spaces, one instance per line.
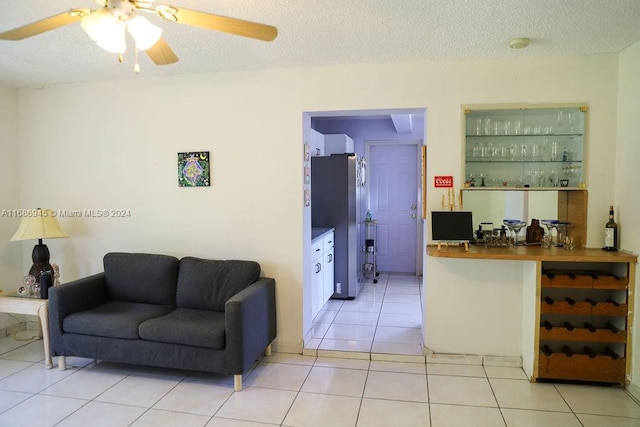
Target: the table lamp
pixel 41 225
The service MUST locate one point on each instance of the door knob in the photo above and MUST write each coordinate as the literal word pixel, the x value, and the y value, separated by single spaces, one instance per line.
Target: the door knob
pixel 414 207
pixel 413 215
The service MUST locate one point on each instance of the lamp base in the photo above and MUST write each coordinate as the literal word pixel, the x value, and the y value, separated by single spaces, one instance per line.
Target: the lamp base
pixel 40 257
pixel 38 268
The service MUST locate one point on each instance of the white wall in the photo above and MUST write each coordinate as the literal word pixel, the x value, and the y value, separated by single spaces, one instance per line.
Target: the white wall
pixel 114 144
pixel 11 269
pixel 627 194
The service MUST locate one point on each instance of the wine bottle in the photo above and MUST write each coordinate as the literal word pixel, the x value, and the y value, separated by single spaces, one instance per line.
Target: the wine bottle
pixel 547 325
pixel 548 300
pixel 615 304
pixel 590 327
pixel 547 350
pixel 592 302
pixel 611 353
pixel 612 328
pixel 589 352
pixel 611 233
pixel 570 301
pixel 568 325
pixel 566 350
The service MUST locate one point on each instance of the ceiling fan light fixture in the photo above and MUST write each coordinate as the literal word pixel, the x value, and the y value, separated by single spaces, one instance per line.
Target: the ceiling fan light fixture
pixel 143 32
pixel 103 27
pixel 98 23
pixel 114 42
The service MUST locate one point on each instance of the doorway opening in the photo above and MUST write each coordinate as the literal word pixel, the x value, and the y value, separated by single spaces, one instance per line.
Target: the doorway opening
pixel 386 316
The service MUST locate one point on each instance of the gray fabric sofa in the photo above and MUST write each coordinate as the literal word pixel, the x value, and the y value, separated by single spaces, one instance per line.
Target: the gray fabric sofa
pixel 158 310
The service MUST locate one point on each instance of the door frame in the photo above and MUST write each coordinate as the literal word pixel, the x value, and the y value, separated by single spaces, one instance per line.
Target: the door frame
pixel 419 190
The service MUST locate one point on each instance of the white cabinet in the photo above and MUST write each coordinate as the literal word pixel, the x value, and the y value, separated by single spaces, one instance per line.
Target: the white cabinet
pixel 317 281
pixel 322 270
pixel 316 143
pixel 327 265
pixel 338 144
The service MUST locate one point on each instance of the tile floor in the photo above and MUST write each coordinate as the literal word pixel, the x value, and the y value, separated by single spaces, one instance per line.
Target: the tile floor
pixel 308 390
pixel 385 318
pixel 295 390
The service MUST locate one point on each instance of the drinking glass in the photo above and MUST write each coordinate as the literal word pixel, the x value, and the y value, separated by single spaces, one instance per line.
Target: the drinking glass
pixel 507 127
pixel 487 126
pixel 554 151
pixel 478 126
pixel 550 224
pixel 497 127
pixel 514 226
pixel 535 152
pixel 559 123
pixel 563 229
pixel 517 127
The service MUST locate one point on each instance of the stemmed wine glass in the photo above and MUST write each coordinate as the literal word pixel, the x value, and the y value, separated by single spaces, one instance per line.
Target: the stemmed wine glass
pixel 562 228
pixel 514 226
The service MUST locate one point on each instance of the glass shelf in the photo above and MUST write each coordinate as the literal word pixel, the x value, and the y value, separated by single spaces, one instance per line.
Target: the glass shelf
pixel 523 148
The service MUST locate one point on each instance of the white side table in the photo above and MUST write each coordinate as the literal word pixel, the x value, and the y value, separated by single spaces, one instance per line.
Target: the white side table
pixel 16 304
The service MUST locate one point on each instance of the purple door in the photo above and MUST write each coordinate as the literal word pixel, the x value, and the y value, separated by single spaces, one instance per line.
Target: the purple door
pixel 393 192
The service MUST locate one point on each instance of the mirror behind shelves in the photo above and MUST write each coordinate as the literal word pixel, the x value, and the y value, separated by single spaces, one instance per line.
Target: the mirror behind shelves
pixel 495 206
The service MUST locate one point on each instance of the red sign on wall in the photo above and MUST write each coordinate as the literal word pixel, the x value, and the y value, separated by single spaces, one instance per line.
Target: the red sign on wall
pixel 443 181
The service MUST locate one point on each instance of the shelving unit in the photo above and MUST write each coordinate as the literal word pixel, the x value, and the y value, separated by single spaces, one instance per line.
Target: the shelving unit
pixel 533 147
pixel 585 321
pixel 369 270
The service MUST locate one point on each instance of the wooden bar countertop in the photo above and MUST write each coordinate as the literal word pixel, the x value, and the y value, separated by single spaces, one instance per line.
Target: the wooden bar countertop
pixel 532 253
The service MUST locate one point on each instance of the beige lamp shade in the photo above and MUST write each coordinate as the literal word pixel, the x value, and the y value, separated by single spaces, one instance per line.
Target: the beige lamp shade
pixel 41 225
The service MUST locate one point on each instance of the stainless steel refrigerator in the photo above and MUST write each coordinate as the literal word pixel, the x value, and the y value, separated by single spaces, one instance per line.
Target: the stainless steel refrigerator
pixel 337 200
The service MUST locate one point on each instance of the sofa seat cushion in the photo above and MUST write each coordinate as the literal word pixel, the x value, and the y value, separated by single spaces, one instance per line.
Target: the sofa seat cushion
pixel 113 319
pixel 185 326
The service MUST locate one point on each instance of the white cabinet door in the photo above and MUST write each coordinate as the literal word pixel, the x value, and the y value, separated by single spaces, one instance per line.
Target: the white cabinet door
pixel 328 276
pixel 317 280
pixel 317 286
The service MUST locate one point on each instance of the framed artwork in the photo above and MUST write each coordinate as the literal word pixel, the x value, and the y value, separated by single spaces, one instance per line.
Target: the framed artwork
pixel 193 169
pixel 307 155
pixel 307 197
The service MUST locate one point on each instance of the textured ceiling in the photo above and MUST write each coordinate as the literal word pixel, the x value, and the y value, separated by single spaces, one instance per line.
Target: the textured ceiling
pixel 315 32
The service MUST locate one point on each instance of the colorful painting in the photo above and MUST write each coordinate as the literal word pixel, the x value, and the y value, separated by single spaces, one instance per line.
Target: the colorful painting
pixel 193 169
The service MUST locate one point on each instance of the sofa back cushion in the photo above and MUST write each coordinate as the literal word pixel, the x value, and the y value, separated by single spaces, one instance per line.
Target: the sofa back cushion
pixel 143 278
pixel 208 284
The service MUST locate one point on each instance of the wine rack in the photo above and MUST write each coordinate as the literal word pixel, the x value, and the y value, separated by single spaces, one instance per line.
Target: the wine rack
pixel 584 322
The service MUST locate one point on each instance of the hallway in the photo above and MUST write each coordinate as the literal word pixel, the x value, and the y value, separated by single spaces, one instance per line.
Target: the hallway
pixel 385 318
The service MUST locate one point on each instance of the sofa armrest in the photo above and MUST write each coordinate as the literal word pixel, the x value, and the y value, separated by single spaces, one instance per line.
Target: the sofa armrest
pixel 78 295
pixel 250 324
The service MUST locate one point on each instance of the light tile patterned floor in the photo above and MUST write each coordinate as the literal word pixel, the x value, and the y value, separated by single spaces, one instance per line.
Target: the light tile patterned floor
pixel 385 318
pixel 294 390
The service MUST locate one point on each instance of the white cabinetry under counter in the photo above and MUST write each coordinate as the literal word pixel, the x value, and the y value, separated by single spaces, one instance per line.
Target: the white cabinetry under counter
pixel 322 269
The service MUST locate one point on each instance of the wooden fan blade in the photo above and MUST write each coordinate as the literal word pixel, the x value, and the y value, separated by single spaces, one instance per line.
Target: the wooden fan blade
pixel 161 54
pixel 235 26
pixel 44 25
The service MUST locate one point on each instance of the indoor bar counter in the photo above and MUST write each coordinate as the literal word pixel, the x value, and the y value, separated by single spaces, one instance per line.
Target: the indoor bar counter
pixel 532 253
pixel 569 310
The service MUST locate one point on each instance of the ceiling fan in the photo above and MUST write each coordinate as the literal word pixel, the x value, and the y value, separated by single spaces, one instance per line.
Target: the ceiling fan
pixel 107 26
